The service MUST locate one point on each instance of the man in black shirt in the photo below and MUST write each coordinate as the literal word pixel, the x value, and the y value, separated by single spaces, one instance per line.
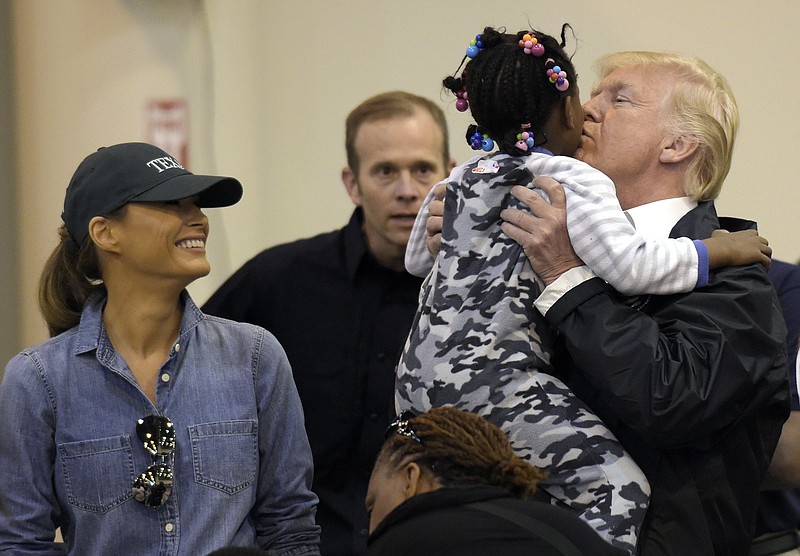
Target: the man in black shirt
pixel 778 519
pixel 341 303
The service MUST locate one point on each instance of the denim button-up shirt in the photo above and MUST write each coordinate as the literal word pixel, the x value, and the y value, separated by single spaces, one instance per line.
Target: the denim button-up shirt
pixel 69 451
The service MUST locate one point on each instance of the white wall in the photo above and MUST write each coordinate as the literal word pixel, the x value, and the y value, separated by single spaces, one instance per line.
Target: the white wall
pixel 269 84
pixel 9 304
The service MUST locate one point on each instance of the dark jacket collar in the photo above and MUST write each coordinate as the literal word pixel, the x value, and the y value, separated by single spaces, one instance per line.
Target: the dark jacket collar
pixel 701 221
pixel 442 498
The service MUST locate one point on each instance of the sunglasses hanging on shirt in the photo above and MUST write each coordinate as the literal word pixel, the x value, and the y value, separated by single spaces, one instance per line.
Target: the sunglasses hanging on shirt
pixel 153 487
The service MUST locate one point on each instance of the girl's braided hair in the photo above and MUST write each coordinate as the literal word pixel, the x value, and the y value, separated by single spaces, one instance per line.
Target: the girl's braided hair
pixel 461 448
pixel 507 88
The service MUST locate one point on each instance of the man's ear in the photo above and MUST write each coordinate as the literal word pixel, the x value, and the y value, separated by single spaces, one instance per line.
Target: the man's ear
pixel 102 234
pixel 351 184
pixel 452 164
pixel 679 149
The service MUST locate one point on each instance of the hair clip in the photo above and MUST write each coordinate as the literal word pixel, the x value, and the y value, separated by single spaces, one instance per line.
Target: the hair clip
pixel 401 426
pixel 524 139
pixel 480 141
pixel 462 103
pixel 475 46
pixel 557 76
pixel 531 45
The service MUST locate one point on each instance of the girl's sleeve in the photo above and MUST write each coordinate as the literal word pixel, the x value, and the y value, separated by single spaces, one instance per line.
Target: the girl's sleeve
pixel 610 246
pixel 419 261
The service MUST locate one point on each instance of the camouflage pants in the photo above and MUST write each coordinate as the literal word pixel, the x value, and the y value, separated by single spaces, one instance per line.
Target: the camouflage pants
pixel 588 471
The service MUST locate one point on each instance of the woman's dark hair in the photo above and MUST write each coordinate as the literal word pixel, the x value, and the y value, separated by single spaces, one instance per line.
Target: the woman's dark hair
pixel 461 448
pixel 68 279
pixel 507 88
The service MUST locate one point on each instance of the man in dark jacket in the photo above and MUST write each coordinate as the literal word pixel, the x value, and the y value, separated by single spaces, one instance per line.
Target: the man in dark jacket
pixel 694 385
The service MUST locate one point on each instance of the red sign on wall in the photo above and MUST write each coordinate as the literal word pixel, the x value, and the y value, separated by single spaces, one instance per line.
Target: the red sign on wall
pixel 168 127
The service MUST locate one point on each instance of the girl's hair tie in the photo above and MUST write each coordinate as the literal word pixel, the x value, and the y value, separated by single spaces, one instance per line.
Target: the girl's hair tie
pixel 531 45
pixel 475 46
pixel 479 140
pixel 525 138
pixel 557 76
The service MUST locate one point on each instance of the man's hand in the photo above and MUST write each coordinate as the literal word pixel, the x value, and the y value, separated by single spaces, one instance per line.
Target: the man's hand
pixel 433 226
pixel 542 233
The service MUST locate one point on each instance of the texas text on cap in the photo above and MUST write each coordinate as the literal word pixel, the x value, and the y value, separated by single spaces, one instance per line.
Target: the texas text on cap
pixel 113 176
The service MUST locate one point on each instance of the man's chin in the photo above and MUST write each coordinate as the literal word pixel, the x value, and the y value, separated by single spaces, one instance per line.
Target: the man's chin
pixel 400 229
pixel 401 238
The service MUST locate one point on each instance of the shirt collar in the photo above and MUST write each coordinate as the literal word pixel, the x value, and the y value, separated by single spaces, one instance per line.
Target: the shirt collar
pixel 656 219
pixel 91 332
pixel 357 256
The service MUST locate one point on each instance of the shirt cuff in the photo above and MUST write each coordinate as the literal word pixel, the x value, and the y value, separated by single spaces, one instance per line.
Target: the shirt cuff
pixel 563 284
pixel 702 263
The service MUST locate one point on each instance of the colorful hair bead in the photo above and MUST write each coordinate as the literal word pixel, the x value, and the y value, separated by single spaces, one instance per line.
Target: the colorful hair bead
pixel 480 141
pixel 524 141
pixel 531 45
pixel 557 76
pixel 475 46
pixel 462 104
pixel 524 138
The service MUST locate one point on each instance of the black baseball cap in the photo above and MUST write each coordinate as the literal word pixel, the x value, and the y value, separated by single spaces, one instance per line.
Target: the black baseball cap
pixel 113 176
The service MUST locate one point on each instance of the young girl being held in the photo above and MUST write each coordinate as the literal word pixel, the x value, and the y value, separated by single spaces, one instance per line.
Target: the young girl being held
pixel 477 342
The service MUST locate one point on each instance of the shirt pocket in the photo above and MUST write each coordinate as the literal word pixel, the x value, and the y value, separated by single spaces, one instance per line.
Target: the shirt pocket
pixel 225 454
pixel 97 473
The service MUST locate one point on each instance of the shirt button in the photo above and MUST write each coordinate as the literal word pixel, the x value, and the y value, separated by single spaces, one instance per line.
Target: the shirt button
pixel 165 377
pixel 381 356
pixel 169 527
pixel 364 532
pixel 177 347
pixel 373 416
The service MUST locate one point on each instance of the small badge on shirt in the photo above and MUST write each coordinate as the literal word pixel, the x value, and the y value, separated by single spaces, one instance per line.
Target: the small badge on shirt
pixel 486 167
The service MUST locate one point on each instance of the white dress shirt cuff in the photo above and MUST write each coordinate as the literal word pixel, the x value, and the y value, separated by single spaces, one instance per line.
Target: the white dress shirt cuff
pixel 564 283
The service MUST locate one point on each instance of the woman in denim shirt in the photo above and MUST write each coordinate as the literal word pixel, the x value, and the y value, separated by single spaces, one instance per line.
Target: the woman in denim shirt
pixel 144 426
